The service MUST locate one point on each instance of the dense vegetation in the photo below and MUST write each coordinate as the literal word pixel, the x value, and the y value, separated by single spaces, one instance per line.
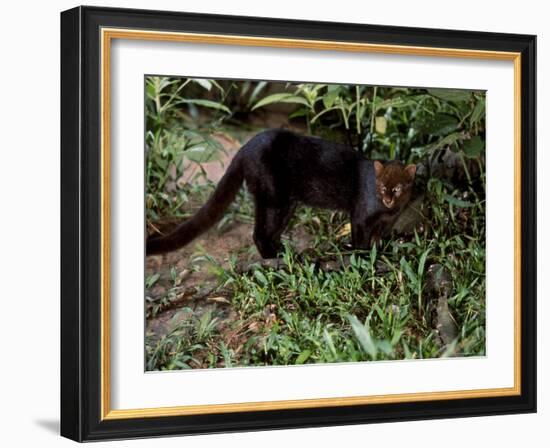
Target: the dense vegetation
pixel 420 295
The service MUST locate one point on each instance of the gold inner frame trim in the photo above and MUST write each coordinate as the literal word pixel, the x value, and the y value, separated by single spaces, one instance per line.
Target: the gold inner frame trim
pixel 107 35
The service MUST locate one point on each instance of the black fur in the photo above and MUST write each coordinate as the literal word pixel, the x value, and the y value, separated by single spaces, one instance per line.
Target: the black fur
pixel 282 169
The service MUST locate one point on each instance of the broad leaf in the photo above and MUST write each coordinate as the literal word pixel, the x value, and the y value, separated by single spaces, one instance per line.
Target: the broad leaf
pixel 150 90
pixel 204 83
pixel 280 98
pixel 439 124
pixel 453 95
pixel 259 87
pixel 381 125
pixel 303 357
pixel 478 113
pixel 260 277
pixel 202 153
pixel 205 103
pixel 473 147
pixel 406 267
pixel 330 97
pixel 302 112
pixel 363 336
pixel 150 281
pixel 458 202
pixel 441 143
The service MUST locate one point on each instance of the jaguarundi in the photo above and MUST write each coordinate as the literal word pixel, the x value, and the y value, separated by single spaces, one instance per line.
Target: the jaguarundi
pixel 283 169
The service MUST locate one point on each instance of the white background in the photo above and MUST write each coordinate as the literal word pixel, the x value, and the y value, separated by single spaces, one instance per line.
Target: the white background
pixel 29 186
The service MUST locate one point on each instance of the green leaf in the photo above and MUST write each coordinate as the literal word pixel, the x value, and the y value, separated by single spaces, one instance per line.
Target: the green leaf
pixel 441 143
pixel 380 313
pixel 406 267
pixel 205 83
pixel 259 87
pixel 303 357
pixel 302 112
pixel 330 97
pixel 397 102
pixel 458 202
pixel 205 103
pixel 439 124
pixel 473 147
pixel 180 364
pixel 280 98
pixel 385 346
pixel 363 336
pixel 330 343
pixel 396 336
pixel 150 90
pixel 422 262
pixel 453 95
pixel 150 281
pixel 260 277
pixel 324 111
pixel 380 125
pixel 202 153
pixel 478 113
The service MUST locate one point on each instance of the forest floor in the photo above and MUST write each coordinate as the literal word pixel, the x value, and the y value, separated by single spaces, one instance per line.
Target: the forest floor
pixel 215 303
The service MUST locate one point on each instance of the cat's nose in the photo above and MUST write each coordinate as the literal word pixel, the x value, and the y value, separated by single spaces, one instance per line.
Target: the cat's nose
pixel 388 202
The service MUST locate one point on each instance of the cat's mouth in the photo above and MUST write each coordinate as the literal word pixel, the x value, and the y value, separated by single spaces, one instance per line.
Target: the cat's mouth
pixel 388 203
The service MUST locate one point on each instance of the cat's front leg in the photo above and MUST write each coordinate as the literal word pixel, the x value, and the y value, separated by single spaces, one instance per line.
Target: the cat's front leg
pixel 361 235
pixel 362 225
pixel 375 238
pixel 269 225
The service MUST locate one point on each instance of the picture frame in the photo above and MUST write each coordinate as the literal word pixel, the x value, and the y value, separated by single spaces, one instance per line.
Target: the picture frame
pixel 86 209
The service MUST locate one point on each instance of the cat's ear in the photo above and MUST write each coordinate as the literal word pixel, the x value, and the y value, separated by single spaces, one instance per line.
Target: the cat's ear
pixel 411 170
pixel 378 168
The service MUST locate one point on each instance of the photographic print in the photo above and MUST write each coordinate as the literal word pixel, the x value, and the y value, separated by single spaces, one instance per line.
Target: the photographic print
pixel 294 223
pixel 269 223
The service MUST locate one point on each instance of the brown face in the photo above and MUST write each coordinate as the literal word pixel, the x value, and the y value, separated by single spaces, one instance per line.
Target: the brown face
pixel 394 183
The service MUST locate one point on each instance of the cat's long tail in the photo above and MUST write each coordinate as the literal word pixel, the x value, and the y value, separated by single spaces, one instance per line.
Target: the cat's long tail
pixel 209 214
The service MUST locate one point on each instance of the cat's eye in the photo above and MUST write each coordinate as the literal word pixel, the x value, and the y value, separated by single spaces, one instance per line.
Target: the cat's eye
pixel 397 189
pixel 383 189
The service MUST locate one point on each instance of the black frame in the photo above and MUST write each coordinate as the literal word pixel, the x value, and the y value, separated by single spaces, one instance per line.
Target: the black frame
pixel 81 213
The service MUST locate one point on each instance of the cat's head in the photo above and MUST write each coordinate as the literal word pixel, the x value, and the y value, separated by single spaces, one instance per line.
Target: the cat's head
pixel 394 182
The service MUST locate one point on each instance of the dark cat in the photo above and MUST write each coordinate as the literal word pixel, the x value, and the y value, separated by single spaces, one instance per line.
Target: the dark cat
pixel 282 169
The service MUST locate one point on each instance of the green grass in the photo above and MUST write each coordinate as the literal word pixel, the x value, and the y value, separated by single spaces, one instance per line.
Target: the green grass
pixel 375 306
